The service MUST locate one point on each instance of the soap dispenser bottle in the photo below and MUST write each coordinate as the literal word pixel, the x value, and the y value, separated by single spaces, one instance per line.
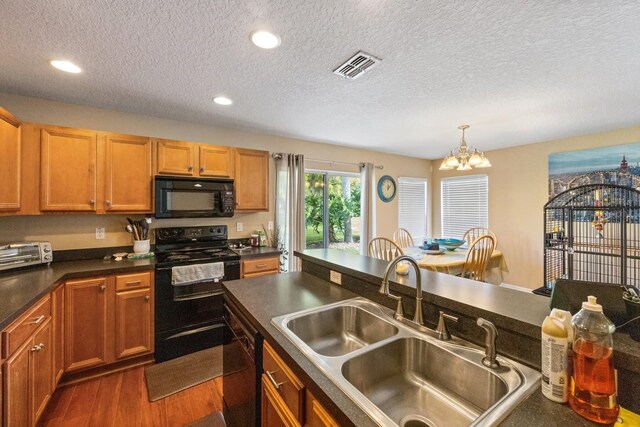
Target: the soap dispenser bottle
pixel 593 382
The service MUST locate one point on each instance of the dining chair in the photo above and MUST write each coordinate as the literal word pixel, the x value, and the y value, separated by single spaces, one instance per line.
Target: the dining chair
pixel 478 257
pixel 472 234
pixel 403 238
pixel 383 248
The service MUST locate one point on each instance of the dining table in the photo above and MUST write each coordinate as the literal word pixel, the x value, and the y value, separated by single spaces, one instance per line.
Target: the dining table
pixel 451 262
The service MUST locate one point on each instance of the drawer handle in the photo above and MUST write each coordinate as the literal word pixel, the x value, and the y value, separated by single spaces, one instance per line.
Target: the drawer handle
pixel 37 347
pixel 261 265
pixel 272 380
pixel 37 321
pixel 133 282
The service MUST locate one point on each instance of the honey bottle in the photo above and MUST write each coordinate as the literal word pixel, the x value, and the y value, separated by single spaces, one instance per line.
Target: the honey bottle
pixel 593 381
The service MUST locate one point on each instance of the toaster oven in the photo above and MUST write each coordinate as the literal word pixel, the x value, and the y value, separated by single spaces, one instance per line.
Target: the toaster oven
pixel 15 255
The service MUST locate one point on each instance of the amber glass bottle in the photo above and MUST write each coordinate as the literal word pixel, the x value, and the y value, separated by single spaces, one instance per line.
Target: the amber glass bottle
pixel 593 382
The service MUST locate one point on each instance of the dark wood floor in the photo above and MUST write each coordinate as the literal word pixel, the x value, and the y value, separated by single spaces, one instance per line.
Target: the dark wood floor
pixel 121 399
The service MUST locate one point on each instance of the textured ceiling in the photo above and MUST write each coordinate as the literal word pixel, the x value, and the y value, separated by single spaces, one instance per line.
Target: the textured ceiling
pixel 517 72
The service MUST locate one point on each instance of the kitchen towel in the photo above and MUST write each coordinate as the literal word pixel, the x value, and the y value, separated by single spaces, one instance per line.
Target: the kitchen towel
pixel 188 274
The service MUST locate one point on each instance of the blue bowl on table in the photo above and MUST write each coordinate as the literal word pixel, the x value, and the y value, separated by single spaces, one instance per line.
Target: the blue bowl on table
pixel 449 244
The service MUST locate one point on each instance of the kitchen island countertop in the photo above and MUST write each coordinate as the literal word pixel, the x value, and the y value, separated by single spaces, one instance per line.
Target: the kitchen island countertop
pixel 260 299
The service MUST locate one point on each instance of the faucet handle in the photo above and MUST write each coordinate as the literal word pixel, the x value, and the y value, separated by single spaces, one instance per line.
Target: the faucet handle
pixel 442 330
pixel 399 314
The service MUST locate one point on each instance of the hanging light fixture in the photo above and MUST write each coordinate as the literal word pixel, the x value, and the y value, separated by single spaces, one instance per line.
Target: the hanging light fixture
pixel 464 158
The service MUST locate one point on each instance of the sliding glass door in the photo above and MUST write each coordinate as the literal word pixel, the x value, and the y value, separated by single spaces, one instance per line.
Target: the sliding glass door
pixel 332 210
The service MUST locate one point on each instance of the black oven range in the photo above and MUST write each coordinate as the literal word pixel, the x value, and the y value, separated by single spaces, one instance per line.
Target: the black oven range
pixel 191 263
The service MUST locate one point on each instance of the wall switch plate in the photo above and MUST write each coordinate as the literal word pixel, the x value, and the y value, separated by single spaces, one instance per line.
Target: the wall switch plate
pixel 239 226
pixel 100 234
pixel 335 277
pixel 270 225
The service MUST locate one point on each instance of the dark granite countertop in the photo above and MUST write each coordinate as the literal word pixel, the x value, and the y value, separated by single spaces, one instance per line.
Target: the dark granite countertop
pixel 259 252
pixel 260 299
pixel 20 289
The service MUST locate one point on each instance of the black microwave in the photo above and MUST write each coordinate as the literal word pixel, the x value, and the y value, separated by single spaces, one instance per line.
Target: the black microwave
pixel 194 197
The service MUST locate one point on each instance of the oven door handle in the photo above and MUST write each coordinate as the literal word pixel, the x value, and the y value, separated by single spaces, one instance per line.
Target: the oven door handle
pixel 199 296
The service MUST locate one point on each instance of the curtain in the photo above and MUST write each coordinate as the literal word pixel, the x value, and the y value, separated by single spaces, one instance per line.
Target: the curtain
pixel 290 222
pixel 367 211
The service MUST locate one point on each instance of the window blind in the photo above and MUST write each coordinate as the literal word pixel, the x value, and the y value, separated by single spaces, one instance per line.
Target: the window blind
pixel 412 207
pixel 464 204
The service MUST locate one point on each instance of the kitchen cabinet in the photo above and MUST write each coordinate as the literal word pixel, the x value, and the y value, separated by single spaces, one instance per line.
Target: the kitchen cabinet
pixel 10 147
pixel 134 323
pixel 251 176
pixel 68 161
pixel 86 323
pixel 108 319
pixel 128 173
pixel 192 159
pixel 285 399
pixel 256 267
pixel 28 370
pixel 57 316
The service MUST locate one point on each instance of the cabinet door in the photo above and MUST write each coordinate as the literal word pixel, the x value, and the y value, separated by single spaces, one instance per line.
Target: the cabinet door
pixel 68 170
pixel 17 387
pixel 9 161
pixel 215 161
pixel 176 158
pixel 275 412
pixel 86 323
pixel 251 180
pixel 57 314
pixel 128 174
pixel 41 371
pixel 317 416
pixel 134 327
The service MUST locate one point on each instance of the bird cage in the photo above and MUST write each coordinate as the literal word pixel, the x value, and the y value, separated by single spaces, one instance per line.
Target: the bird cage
pixel 592 233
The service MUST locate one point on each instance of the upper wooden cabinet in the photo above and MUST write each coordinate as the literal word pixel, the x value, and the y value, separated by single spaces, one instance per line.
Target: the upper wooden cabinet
pixel 251 179
pixel 68 170
pixel 215 161
pixel 191 159
pixel 128 173
pixel 10 148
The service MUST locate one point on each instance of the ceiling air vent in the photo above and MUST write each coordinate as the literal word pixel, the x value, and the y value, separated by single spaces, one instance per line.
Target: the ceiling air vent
pixel 357 65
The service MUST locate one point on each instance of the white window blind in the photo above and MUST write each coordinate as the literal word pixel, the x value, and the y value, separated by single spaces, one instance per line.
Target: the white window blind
pixel 464 204
pixel 412 207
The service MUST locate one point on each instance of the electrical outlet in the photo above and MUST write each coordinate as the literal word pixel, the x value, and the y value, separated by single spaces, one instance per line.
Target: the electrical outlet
pixel 149 220
pixel 100 234
pixel 239 226
pixel 335 277
pixel 270 225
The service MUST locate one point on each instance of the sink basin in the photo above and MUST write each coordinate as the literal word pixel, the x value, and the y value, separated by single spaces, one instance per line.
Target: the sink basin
pixel 420 384
pixel 400 374
pixel 340 330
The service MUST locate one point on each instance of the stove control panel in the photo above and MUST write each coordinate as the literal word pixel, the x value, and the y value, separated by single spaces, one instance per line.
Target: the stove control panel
pixel 180 234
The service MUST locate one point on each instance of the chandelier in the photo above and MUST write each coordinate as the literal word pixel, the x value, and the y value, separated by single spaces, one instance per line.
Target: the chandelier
pixel 464 158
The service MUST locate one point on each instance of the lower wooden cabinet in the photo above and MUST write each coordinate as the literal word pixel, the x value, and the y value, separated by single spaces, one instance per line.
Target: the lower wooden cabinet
pixel 256 267
pixel 28 379
pixel 57 315
pixel 103 325
pixel 285 399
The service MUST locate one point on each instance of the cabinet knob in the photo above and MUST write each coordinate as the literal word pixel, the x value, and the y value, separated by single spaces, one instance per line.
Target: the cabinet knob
pixel 190 168
pixel 146 297
pixel 108 202
pixel 92 201
pixel 201 168
pixel 102 288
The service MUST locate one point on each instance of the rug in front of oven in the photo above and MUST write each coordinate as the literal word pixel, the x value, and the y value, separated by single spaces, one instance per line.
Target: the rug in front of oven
pixel 172 376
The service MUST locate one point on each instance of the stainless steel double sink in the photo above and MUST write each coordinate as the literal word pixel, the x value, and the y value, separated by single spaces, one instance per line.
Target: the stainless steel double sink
pixel 403 376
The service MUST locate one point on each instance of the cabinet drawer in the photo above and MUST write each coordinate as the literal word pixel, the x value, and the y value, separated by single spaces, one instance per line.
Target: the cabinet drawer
pixel 20 330
pixel 286 384
pixel 260 265
pixel 133 281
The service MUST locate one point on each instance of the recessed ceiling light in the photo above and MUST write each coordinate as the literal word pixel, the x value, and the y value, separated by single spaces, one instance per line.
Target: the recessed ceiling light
pixel 265 39
pixel 222 100
pixel 66 66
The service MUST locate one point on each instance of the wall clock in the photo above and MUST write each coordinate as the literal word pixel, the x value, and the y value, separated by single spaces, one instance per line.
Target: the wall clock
pixel 386 188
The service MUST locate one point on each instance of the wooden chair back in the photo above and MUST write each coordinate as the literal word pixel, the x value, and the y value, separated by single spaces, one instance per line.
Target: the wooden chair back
pixel 474 233
pixel 403 238
pixel 478 257
pixel 383 248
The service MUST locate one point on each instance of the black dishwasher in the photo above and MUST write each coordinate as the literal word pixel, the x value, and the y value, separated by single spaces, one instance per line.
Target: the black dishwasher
pixel 241 369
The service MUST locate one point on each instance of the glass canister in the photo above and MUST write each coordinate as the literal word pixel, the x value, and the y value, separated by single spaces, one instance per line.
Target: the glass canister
pixel 593 382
